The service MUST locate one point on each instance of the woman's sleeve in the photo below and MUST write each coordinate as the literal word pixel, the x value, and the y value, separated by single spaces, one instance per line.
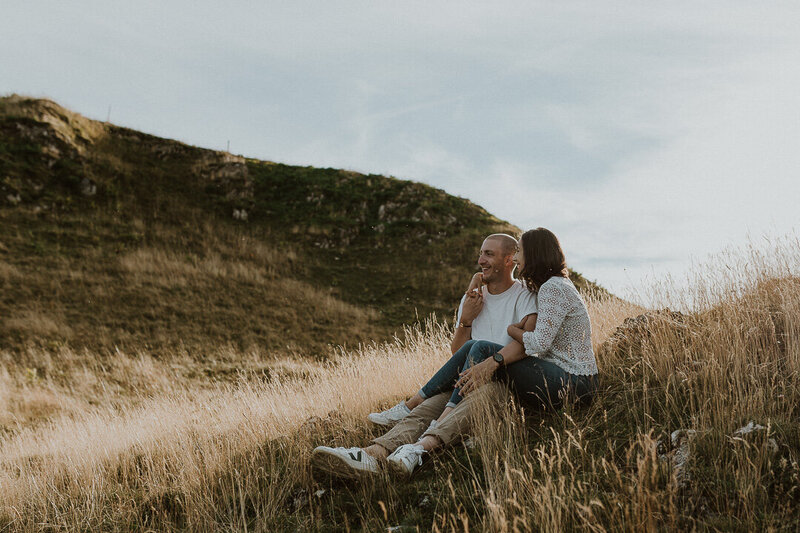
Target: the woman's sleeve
pixel 553 307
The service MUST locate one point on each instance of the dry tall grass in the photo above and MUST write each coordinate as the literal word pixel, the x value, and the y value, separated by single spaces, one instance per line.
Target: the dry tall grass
pixel 236 457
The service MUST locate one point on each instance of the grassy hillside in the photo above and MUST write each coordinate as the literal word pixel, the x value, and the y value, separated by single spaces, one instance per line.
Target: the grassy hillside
pixel 150 378
pixel 111 238
pixel 137 447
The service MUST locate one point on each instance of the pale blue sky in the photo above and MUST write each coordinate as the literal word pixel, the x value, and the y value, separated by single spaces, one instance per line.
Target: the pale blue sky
pixel 645 134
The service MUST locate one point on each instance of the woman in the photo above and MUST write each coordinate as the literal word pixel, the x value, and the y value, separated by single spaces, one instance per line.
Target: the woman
pixel 557 363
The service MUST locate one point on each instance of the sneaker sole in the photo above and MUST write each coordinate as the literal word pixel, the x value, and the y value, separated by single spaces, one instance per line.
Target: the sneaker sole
pixel 399 470
pixel 338 467
pixel 380 422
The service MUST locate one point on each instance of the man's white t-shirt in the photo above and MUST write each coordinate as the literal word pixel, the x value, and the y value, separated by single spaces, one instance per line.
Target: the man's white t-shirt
pixel 500 310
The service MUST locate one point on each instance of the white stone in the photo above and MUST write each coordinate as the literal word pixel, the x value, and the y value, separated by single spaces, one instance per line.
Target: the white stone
pixel 87 187
pixel 749 428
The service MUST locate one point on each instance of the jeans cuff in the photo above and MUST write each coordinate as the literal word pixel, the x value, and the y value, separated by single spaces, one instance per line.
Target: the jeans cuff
pixel 450 404
pixel 422 393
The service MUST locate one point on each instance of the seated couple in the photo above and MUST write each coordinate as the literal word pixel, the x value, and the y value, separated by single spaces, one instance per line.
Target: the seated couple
pixel 532 334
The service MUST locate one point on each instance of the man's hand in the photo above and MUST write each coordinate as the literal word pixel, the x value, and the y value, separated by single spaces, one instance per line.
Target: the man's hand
pixel 473 304
pixel 475 376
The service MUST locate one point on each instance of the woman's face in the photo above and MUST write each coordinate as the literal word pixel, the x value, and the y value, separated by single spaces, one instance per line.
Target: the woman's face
pixel 519 256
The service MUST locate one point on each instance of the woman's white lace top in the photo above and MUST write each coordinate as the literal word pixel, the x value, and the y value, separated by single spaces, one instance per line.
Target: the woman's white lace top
pixel 563 331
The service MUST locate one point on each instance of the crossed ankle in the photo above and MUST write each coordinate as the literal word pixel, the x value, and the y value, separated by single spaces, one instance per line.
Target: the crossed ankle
pixel 377 451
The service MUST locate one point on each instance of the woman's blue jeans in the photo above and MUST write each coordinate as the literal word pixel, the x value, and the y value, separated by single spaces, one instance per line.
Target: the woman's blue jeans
pixel 538 383
pixel 471 353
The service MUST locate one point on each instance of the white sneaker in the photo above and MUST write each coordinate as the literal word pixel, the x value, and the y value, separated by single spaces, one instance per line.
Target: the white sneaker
pixel 390 416
pixel 405 459
pixel 350 463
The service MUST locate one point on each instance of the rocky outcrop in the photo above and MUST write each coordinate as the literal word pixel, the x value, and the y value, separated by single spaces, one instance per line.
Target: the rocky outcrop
pixel 676 454
pixel 226 174
pixel 41 135
pixel 52 126
pixel 631 336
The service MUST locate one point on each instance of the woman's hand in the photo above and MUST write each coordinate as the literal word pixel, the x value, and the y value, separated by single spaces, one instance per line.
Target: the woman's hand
pixel 515 331
pixel 475 376
pixel 518 325
pixel 476 282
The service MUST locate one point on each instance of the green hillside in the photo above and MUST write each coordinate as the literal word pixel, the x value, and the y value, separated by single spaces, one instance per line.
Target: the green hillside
pixel 114 238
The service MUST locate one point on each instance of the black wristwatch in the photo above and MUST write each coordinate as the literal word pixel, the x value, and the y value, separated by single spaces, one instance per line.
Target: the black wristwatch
pixel 498 359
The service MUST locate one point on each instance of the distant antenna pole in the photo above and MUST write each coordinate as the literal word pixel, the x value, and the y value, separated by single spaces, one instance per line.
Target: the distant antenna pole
pixel 108 117
pixel 229 147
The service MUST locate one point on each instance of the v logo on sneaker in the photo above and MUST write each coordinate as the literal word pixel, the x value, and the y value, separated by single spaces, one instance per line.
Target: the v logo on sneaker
pixel 355 456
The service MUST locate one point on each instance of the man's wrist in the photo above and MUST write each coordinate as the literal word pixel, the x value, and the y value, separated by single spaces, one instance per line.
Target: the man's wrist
pixel 464 324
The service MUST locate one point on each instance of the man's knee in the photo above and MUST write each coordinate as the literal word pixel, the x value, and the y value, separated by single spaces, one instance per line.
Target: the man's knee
pixel 480 351
pixel 430 408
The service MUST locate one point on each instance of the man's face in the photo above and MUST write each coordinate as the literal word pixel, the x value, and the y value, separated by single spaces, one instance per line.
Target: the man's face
pixel 492 262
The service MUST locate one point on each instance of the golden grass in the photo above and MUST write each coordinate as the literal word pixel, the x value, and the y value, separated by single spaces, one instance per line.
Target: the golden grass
pixel 160 452
pixel 188 437
pixel 167 291
pixel 38 323
pixel 8 272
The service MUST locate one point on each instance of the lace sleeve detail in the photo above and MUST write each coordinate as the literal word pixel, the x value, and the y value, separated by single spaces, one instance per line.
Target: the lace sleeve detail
pixel 553 307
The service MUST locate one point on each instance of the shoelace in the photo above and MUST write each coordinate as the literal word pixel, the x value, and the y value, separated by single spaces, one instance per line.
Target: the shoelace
pixel 418 453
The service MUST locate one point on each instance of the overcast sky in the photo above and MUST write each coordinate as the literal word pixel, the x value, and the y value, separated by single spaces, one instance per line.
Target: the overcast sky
pixel 646 135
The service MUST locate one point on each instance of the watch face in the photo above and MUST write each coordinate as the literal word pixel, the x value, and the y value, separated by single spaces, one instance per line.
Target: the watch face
pixel 498 358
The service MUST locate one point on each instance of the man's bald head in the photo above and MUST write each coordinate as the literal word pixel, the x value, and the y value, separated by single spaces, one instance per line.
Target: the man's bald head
pixel 508 244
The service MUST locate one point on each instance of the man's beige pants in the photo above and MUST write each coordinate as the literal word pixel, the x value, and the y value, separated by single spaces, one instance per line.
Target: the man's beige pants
pixel 454 427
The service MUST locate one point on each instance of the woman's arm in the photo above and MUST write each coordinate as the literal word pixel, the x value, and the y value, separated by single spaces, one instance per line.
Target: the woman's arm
pixel 476 282
pixel 515 331
pixel 553 307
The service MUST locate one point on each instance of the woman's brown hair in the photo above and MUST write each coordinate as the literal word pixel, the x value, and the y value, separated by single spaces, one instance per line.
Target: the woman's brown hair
pixel 543 258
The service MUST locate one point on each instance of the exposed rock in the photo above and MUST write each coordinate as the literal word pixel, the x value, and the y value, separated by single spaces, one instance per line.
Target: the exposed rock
pixel 227 172
pixel 240 214
pixel 14 199
pixel 635 332
pixel 751 430
pixel 315 198
pixel 52 151
pixel 679 455
pixel 166 149
pixel 57 127
pixel 88 188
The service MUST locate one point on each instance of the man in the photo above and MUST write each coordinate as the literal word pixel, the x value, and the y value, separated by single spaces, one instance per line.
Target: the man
pixel 483 315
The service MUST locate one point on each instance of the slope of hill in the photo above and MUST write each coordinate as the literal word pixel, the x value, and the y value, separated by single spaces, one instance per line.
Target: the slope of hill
pixel 114 238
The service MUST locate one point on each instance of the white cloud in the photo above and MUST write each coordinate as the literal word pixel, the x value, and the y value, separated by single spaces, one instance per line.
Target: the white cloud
pixel 642 133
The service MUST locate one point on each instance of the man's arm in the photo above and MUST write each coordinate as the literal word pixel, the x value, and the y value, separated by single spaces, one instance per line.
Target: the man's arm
pixel 471 307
